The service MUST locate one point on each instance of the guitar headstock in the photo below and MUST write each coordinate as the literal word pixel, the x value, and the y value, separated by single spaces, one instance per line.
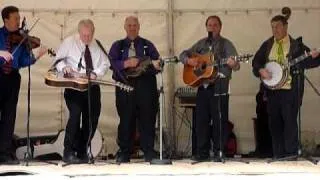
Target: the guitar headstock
pixel 124 87
pixel 243 58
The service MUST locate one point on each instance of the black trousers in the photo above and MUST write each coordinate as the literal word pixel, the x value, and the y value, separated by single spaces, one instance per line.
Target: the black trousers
pixel 261 124
pixel 283 110
pixel 77 136
pixel 208 120
pixel 139 105
pixel 9 94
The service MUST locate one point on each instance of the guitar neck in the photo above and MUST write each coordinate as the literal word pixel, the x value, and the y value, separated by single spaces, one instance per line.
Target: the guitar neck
pixel 236 58
pixel 117 84
pixel 104 82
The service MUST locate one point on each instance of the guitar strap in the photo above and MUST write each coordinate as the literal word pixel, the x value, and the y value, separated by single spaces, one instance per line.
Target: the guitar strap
pixel 117 71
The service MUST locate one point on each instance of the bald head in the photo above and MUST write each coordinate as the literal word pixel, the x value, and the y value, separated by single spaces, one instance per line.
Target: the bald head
pixel 132 27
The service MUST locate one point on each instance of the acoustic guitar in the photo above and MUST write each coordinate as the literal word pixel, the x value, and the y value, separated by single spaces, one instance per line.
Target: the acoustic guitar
pixel 206 68
pixel 78 82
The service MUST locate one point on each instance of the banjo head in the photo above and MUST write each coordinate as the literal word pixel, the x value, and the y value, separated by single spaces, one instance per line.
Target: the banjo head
pixel 278 74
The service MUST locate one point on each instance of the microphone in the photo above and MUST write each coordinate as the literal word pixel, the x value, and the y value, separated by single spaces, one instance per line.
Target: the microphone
pixel 209 39
pixel 23 24
pixel 23 29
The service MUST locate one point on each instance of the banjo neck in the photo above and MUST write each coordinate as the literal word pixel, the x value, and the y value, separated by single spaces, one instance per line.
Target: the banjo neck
pixel 298 59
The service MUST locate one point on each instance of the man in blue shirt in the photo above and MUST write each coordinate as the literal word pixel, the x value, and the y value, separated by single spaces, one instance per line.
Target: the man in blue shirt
pixel 10 80
pixel 142 103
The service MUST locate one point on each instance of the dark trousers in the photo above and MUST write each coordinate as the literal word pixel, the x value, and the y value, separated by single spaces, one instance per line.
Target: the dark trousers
pixel 261 125
pixel 9 94
pixel 77 136
pixel 139 105
pixel 208 120
pixel 282 110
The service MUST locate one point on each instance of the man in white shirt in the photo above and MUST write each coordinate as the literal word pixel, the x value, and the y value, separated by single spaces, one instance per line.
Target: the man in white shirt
pixel 82 56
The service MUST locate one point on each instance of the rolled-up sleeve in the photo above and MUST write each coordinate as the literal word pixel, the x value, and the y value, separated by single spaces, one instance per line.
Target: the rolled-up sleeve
pixel 187 53
pixel 62 53
pixel 102 65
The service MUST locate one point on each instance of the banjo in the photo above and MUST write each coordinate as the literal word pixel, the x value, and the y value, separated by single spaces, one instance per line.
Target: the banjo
pixel 280 73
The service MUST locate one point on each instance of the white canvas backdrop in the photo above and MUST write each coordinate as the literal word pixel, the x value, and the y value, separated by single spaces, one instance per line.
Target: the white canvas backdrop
pixel 246 23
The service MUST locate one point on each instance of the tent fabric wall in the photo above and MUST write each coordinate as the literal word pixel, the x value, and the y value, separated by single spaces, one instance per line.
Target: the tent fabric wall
pixel 246 23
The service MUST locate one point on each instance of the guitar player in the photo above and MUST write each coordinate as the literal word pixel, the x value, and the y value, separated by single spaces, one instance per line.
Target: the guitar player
pixel 84 56
pixel 208 93
pixel 142 103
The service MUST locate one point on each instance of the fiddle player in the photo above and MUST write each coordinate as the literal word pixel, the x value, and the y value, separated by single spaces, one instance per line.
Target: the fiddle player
pixel 212 93
pixel 142 103
pixel 10 79
pixel 283 104
pixel 84 57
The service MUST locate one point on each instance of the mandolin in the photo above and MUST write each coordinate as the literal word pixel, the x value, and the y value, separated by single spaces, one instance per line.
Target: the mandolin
pixel 144 64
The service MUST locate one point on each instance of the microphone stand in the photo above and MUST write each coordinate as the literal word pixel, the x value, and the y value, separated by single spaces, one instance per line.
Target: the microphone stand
pixel 222 135
pixel 161 161
pixel 28 155
pixel 88 145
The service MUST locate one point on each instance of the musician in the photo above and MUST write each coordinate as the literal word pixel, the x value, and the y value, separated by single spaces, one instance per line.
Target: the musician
pixel 283 103
pixel 142 103
pixel 10 79
pixel 83 57
pixel 209 93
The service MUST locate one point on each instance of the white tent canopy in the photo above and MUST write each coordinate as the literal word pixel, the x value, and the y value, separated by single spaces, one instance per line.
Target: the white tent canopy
pixel 173 25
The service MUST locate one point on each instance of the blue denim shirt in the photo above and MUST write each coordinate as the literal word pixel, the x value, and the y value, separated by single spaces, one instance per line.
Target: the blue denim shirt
pixel 21 57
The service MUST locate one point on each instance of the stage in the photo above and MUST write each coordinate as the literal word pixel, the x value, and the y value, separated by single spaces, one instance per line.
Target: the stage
pixel 137 168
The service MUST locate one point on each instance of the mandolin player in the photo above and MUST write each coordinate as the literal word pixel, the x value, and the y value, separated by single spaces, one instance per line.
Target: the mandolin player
pixel 140 106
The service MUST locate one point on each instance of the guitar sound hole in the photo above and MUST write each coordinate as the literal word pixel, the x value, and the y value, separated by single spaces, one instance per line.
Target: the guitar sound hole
pixel 200 70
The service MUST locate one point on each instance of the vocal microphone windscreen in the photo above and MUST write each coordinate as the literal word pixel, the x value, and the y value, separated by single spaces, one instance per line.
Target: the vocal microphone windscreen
pixel 210 34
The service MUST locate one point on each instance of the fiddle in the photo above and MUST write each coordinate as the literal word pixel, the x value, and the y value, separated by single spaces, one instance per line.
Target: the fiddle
pixel 16 38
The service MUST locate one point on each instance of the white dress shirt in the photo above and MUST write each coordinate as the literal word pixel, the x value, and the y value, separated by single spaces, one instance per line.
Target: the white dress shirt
pixel 72 49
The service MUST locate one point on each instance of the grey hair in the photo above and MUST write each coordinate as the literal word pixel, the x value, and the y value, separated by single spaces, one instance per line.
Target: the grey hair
pixel 86 23
pixel 132 17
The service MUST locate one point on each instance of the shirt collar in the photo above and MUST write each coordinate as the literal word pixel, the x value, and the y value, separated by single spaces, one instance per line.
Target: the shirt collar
pixel 128 41
pixel 5 30
pixel 81 44
pixel 283 40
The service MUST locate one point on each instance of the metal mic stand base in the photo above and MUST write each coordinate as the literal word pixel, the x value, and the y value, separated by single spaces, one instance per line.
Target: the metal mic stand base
pixel 28 158
pixel 161 161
